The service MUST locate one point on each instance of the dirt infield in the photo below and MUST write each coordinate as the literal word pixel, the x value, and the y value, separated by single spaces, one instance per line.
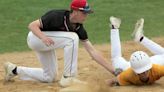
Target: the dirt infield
pixel 89 70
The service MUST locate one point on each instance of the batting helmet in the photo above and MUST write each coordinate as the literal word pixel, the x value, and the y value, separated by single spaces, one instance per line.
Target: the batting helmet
pixel 140 62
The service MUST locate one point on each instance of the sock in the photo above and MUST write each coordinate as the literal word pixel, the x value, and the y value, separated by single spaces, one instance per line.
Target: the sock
pixel 141 38
pixel 65 76
pixel 15 71
pixel 113 27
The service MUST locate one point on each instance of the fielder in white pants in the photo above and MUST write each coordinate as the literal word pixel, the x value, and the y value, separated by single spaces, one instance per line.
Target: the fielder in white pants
pixel 120 62
pixel 46 55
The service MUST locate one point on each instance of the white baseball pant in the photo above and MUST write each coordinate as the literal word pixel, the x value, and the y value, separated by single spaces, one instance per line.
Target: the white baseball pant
pixel 47 57
pixel 119 62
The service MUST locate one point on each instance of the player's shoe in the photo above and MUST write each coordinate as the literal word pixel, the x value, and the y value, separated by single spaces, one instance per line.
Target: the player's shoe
pixel 65 82
pixel 115 22
pixel 138 31
pixel 9 67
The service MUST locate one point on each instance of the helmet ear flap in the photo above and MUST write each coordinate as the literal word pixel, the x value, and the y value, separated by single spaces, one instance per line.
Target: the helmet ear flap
pixel 140 62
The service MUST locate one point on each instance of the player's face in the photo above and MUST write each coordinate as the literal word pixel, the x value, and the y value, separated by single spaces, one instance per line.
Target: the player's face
pixel 144 76
pixel 81 16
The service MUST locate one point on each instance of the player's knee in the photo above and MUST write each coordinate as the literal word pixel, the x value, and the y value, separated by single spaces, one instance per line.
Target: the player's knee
pixel 73 39
pixel 74 36
pixel 49 79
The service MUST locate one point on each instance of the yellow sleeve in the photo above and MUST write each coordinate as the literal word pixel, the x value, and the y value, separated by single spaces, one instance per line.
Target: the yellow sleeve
pixel 160 70
pixel 123 78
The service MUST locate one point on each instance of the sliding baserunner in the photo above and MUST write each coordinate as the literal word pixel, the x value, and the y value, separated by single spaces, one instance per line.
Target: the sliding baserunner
pixel 141 69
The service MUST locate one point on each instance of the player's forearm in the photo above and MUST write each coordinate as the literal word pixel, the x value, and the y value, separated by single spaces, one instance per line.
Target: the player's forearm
pixel 97 56
pixel 100 60
pixel 35 28
pixel 38 33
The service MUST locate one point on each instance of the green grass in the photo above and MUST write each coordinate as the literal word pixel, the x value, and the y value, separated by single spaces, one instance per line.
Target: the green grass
pixel 17 14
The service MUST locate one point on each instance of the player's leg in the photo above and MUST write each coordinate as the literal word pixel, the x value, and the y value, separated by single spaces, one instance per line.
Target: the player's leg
pixel 152 46
pixel 139 37
pixel 64 40
pixel 48 72
pixel 117 60
pixel 69 41
pixel 157 59
pixel 47 58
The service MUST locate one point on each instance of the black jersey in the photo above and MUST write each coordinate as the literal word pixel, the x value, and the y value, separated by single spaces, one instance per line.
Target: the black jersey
pixel 58 20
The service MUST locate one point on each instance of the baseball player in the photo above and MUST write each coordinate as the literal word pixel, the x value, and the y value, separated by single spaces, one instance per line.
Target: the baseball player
pixel 141 69
pixel 58 29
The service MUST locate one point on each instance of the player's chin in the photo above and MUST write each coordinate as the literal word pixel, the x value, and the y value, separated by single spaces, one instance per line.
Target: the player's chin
pixel 82 21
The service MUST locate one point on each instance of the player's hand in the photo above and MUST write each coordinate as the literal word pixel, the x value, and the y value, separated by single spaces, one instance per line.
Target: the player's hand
pixel 112 82
pixel 109 82
pixel 48 41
